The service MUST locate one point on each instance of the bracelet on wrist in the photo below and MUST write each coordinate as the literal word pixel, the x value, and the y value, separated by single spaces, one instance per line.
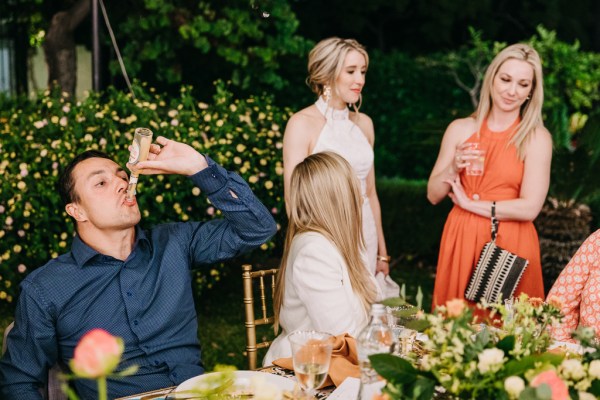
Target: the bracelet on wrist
pixel 386 259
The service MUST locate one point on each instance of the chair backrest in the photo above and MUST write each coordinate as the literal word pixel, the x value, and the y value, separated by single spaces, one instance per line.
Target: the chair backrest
pixel 266 284
pixel 53 390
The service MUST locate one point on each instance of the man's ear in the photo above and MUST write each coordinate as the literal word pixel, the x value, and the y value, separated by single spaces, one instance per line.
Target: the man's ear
pixel 75 211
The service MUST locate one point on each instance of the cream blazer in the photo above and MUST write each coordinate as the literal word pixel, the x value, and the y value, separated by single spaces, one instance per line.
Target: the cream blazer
pixel 318 294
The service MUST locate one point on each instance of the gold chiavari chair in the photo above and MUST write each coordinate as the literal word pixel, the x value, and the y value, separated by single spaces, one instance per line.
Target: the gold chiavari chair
pixel 266 287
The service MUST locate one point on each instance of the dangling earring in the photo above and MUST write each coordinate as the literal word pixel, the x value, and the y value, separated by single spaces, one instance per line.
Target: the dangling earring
pixel 354 106
pixel 326 93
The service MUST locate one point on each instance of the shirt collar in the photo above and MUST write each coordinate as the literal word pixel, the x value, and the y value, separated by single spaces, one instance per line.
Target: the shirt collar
pixel 82 253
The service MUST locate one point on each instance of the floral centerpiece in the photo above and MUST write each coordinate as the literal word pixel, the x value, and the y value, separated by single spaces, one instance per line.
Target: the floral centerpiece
pixel 509 359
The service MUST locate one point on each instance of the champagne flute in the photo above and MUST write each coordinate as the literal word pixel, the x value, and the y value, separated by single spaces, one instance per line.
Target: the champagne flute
pixel 311 355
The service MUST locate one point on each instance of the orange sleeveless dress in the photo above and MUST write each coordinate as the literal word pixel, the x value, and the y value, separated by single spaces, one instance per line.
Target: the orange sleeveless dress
pixel 465 233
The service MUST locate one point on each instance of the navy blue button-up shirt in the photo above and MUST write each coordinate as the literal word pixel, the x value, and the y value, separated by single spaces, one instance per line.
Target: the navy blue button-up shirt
pixel 146 299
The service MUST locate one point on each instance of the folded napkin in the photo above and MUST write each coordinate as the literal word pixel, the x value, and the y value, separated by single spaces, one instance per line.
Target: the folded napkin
pixel 344 361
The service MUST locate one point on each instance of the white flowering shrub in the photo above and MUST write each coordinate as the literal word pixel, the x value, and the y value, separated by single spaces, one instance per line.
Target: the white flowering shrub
pixel 38 138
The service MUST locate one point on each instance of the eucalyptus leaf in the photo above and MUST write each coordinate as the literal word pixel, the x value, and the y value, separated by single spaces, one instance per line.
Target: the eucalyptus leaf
pixel 393 368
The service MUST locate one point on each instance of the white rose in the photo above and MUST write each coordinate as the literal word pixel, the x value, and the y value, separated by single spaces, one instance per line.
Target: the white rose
pixel 514 385
pixel 586 396
pixel 490 360
pixel 572 369
pixel 594 369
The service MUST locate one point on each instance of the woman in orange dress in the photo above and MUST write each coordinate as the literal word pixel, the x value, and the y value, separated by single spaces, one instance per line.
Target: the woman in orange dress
pixel 508 125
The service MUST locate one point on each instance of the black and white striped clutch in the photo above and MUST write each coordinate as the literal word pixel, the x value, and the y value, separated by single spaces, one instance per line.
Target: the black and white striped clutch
pixel 496 275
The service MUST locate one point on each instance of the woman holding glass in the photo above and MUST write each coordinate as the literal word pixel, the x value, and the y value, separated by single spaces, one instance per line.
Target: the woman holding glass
pixel 322 283
pixel 508 126
pixel 336 73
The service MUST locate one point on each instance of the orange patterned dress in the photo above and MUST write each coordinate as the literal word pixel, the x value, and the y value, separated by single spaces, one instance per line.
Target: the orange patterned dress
pixel 465 233
pixel 578 288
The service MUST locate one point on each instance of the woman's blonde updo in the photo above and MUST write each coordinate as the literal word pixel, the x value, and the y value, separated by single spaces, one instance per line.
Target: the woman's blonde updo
pixel 326 60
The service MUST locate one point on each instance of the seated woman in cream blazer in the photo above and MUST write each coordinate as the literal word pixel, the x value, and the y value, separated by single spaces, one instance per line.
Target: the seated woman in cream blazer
pixel 322 284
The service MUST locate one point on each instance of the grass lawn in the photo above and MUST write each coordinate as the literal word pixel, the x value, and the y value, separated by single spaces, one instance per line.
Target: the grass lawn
pixel 221 315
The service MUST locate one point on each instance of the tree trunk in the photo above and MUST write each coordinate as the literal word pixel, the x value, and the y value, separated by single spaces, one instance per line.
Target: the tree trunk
pixel 59 46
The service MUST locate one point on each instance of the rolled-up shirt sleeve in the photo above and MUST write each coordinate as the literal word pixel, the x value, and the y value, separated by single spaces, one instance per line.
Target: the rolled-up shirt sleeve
pixel 246 224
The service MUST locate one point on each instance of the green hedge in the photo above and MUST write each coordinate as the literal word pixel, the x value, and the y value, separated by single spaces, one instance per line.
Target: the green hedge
pixel 38 137
pixel 412 226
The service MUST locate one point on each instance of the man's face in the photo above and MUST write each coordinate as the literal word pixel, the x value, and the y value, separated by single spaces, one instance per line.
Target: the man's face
pixel 101 186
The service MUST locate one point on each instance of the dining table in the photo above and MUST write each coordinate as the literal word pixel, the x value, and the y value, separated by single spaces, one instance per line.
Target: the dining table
pixel 163 393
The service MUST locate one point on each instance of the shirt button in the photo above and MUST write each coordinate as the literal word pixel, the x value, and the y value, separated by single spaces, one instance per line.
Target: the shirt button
pixel 129 294
pixel 214 176
pixel 135 322
pixel 175 374
pixel 475 196
pixel 156 363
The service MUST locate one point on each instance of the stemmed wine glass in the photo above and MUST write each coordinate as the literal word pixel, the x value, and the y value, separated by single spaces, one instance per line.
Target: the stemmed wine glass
pixel 311 354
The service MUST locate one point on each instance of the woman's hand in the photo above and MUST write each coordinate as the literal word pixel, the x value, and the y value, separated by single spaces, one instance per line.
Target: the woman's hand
pixel 463 156
pixel 458 195
pixel 382 266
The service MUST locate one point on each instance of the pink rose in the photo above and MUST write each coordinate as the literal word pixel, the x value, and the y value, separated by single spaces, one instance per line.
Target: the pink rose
pixel 559 389
pixel 455 307
pixel 97 354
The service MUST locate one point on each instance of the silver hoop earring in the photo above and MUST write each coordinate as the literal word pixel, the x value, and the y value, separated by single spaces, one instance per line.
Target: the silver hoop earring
pixel 326 93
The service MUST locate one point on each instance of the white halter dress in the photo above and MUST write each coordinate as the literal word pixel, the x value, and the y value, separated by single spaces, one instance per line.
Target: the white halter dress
pixel 344 137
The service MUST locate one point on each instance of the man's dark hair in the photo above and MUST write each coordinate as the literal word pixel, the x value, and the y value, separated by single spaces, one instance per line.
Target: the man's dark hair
pixel 66 183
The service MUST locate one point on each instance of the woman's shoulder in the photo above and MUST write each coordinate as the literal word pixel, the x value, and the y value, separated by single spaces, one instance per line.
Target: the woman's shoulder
pixel 460 130
pixel 541 134
pixel 594 240
pixel 311 239
pixel 315 245
pixel 539 141
pixel 467 124
pixel 305 122
pixel 308 115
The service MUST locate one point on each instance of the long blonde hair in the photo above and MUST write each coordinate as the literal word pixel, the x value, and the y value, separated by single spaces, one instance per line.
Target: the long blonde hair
pixel 531 110
pixel 325 197
pixel 326 60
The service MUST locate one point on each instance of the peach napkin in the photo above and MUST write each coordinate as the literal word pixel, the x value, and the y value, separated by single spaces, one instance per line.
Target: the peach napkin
pixel 344 361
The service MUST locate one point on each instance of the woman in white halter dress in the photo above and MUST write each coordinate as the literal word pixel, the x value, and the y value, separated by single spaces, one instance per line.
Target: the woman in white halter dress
pixel 337 70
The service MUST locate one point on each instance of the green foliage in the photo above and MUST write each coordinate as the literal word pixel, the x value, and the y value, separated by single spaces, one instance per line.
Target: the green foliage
pixel 410 103
pixel 571 84
pixel 39 137
pixel 177 41
pixel 413 227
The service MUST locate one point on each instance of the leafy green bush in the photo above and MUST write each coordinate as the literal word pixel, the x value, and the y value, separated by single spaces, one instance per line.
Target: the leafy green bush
pixel 39 137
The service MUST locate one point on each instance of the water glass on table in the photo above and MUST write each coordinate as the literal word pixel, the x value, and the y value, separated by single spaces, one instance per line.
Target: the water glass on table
pixel 311 356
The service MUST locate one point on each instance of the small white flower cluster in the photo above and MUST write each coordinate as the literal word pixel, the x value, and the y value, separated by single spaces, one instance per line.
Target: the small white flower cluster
pixel 572 371
pixel 490 360
pixel 579 375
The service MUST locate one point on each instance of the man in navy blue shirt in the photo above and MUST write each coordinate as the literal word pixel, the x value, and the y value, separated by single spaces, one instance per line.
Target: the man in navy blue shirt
pixel 134 283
